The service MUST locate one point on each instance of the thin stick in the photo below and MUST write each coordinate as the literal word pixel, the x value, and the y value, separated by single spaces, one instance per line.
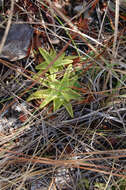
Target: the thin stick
pixel 116 28
pixel 8 26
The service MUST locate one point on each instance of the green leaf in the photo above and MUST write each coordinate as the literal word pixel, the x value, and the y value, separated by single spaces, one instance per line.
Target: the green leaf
pixel 64 84
pixel 46 55
pixel 48 99
pixel 62 62
pixel 72 81
pixel 42 66
pixel 70 94
pixel 68 107
pixel 39 94
pixel 77 84
pixel 57 103
pixel 59 60
pixel 53 70
pixel 67 83
pixel 54 85
pixel 68 72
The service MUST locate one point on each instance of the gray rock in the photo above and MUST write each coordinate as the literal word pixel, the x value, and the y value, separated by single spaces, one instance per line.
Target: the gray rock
pixel 17 42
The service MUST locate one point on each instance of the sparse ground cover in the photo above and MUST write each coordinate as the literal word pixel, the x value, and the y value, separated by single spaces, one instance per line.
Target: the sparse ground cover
pixel 62 95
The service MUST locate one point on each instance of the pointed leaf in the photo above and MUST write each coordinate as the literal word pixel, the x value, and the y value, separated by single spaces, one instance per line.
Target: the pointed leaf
pixel 46 55
pixel 64 84
pixel 68 107
pixel 54 84
pixel 57 103
pixel 53 70
pixel 59 60
pixel 66 62
pixel 39 94
pixel 68 72
pixel 70 94
pixel 42 66
pixel 47 100
pixel 72 81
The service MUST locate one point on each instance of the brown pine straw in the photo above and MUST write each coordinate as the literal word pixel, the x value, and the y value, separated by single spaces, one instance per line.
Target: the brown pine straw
pixel 79 163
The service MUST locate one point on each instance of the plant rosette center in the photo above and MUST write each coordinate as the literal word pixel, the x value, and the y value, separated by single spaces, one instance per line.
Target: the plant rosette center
pixel 59 91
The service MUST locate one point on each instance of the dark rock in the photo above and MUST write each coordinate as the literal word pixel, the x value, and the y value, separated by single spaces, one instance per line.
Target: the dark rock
pixel 17 42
